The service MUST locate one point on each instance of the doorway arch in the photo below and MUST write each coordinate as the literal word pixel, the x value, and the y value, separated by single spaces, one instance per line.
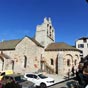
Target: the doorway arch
pixel 1 63
pixel 57 64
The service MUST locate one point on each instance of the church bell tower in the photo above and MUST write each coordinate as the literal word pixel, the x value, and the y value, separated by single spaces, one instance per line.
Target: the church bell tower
pixel 45 33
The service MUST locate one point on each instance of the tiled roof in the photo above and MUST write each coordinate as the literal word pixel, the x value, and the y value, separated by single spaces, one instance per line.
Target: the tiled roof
pixel 11 44
pixel 60 46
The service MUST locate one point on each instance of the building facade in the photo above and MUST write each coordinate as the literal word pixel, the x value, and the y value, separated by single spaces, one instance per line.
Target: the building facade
pixel 61 57
pixel 41 53
pixel 20 55
pixel 82 44
pixel 45 33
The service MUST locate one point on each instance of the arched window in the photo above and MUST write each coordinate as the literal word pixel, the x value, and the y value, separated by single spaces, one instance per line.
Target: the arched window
pixel 75 62
pixel 25 61
pixel 68 62
pixel 50 27
pixel 52 62
pixel 1 63
pixel 12 65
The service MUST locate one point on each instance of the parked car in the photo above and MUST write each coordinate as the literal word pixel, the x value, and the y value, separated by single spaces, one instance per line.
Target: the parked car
pixel 19 80
pixel 7 72
pixel 39 79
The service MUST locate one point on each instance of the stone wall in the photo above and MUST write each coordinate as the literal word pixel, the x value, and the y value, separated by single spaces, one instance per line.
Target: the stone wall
pixel 45 33
pixel 25 49
pixel 62 60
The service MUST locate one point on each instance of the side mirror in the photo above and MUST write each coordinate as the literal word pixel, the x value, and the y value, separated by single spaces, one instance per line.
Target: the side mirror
pixel 37 78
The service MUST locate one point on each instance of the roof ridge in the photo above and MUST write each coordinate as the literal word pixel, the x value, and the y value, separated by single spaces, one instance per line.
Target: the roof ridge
pixel 10 40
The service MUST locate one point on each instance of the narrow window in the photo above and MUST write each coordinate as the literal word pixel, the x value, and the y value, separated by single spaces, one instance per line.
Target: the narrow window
pixel 50 27
pixel 75 62
pixel 52 62
pixel 47 31
pixel 12 65
pixel 25 61
pixel 68 62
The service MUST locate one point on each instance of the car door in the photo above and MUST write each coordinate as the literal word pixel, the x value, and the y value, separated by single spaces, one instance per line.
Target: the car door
pixel 29 77
pixel 36 80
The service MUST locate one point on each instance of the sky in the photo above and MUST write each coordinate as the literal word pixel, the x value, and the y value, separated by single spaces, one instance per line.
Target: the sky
pixel 20 17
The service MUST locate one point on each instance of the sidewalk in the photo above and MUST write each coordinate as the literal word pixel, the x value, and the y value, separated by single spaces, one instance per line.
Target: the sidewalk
pixel 59 78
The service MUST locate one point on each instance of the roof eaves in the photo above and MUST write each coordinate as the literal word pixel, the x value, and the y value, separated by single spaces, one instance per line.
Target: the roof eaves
pixel 36 42
pixel 7 49
pixel 18 42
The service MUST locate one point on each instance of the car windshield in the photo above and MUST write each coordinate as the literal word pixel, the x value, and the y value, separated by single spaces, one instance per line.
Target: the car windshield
pixel 19 79
pixel 42 76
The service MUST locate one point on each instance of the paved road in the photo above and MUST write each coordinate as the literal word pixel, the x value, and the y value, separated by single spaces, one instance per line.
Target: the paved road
pixel 65 84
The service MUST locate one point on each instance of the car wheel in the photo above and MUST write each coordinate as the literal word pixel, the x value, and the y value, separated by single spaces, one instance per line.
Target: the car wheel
pixel 43 85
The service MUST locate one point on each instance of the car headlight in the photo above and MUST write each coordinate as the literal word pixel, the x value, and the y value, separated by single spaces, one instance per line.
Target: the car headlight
pixel 48 82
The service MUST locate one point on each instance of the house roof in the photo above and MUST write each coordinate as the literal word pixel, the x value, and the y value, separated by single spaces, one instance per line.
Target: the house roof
pixel 60 46
pixel 82 38
pixel 11 44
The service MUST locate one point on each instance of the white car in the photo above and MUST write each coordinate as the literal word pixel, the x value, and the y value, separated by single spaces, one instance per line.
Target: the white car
pixel 39 79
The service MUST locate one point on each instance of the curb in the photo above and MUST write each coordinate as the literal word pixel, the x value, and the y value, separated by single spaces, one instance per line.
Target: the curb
pixel 62 81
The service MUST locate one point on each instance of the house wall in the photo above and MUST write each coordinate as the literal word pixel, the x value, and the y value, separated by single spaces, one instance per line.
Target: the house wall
pixel 85 49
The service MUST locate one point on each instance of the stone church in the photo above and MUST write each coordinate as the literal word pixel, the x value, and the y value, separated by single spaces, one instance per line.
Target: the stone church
pixel 40 53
